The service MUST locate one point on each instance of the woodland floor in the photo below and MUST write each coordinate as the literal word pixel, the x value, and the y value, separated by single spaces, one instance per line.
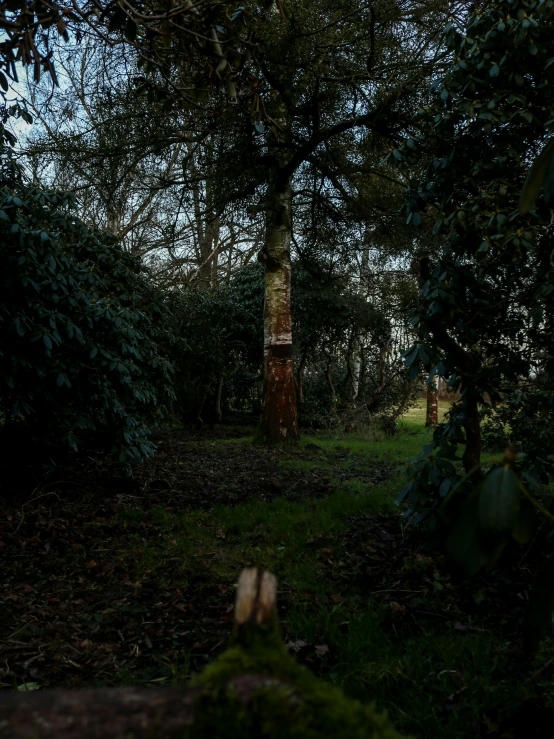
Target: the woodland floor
pixel 108 581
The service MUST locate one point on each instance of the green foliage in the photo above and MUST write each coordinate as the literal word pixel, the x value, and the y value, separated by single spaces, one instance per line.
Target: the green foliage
pixel 79 326
pixel 218 333
pixel 487 298
pixel 525 419
pixel 500 508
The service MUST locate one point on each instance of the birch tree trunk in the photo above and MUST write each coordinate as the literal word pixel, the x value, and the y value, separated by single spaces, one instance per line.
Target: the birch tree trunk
pixel 279 423
pixel 355 365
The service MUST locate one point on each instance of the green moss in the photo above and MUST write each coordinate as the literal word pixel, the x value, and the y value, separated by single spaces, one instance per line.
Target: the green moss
pixel 256 689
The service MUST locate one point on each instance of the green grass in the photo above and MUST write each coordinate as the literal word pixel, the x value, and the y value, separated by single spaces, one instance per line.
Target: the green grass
pixel 435 682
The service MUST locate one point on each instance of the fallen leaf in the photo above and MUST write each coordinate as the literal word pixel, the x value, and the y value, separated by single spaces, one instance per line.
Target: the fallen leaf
pixel 396 607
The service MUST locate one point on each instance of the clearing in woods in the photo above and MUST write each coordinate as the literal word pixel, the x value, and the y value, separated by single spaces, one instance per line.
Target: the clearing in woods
pixel 108 581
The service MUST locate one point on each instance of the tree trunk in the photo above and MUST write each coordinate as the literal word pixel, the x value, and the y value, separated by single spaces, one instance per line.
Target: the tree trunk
pixel 395 415
pixel 299 379
pixel 198 415
pixel 92 713
pixel 432 414
pixel 279 423
pixel 209 243
pixel 217 404
pixel 354 366
pixel 331 388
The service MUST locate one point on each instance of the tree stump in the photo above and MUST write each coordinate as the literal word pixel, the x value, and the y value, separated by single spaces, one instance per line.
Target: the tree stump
pixel 255 689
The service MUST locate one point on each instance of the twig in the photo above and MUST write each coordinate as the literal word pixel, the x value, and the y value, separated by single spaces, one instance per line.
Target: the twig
pixel 31 501
pixel 396 590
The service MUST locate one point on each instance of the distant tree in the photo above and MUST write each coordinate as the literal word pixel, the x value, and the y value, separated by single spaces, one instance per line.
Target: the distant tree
pixel 325 85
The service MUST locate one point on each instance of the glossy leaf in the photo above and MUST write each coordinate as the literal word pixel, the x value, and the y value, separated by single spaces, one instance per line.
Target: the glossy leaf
pixel 499 501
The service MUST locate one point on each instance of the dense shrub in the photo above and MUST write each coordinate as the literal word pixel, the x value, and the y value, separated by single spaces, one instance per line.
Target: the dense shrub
pixel 216 335
pixel 525 420
pixel 79 326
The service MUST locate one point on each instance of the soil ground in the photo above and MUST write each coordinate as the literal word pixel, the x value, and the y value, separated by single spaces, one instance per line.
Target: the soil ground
pixel 110 581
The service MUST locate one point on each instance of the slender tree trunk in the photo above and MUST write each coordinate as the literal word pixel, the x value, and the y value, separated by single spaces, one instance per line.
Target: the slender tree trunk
pixel 207 273
pixel 354 366
pixel 198 415
pixel 279 423
pixel 405 400
pixel 432 414
pixel 331 388
pixel 299 379
pixel 217 404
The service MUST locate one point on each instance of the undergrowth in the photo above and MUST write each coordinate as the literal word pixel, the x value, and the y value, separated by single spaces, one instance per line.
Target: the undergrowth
pixel 402 636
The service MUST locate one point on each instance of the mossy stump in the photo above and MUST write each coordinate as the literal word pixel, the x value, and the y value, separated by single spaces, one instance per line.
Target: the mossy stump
pixel 255 689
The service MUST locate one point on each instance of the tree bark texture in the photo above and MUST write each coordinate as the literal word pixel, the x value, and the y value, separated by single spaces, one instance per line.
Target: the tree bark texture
pixel 94 714
pixel 432 414
pixel 300 379
pixel 217 403
pixel 354 363
pixel 279 423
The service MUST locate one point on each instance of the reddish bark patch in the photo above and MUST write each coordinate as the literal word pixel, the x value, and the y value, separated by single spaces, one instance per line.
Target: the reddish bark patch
pixel 279 424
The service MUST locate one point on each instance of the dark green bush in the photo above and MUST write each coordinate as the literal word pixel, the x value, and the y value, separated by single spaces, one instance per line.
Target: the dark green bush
pixel 525 420
pixel 215 334
pixel 79 326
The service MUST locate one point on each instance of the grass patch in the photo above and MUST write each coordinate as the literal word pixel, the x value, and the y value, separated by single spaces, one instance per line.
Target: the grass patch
pixel 154 587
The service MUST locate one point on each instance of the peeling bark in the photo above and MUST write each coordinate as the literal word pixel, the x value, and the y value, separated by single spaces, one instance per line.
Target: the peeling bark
pixel 279 423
